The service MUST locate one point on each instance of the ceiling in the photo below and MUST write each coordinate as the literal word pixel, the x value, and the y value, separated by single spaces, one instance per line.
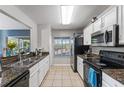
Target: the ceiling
pixel 51 14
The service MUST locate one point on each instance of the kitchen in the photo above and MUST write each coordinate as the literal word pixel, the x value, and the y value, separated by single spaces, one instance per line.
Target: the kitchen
pixel 51 53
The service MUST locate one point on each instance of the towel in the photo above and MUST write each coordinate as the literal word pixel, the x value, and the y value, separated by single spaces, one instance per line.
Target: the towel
pixel 92 78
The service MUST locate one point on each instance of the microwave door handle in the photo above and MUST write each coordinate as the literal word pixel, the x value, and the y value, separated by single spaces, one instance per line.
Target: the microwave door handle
pixel 106 36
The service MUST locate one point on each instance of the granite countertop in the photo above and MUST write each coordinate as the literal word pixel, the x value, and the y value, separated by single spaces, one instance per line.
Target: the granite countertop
pixel 29 63
pixel 10 72
pixel 85 56
pixel 117 74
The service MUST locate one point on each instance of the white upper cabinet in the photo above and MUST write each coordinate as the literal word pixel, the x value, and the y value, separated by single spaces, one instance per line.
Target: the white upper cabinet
pixel 97 25
pixel 121 24
pixel 109 18
pixel 87 34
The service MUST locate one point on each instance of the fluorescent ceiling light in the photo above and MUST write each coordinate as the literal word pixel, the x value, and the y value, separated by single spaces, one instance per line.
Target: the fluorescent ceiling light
pixel 66 14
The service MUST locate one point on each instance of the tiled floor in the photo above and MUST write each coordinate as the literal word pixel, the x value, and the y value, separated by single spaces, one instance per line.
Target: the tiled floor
pixel 62 76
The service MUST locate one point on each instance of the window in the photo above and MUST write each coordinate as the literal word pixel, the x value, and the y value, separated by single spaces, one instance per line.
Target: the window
pixel 62 46
pixel 21 42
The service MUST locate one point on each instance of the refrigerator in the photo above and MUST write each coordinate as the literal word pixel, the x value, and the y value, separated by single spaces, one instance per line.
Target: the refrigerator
pixel 77 48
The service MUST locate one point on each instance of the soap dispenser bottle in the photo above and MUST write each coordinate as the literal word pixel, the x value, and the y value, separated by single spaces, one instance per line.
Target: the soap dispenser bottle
pixel 4 52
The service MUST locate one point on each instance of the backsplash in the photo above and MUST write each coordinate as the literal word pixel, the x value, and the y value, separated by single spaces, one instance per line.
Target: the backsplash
pixel 97 49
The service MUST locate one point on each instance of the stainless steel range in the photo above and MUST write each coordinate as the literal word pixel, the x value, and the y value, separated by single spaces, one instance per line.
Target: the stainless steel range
pixel 107 60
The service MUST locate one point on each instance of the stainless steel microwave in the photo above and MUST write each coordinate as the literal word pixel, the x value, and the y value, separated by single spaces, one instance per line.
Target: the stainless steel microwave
pixel 106 37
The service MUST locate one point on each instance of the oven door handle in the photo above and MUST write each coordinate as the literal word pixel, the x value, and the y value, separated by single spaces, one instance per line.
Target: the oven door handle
pixel 96 72
pixel 106 36
pixel 99 79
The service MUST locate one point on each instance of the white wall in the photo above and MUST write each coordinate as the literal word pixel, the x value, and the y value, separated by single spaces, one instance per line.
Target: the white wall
pixel 17 14
pixel 44 32
pixel 62 33
pixel 7 22
pixel 45 39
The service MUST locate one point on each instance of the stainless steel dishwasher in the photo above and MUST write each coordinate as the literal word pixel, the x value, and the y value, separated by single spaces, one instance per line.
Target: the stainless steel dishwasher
pixel 20 81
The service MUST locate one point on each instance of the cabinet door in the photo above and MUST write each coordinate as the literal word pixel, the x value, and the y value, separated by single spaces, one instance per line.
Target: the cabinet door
pixel 87 34
pixel 33 80
pixel 78 61
pixel 82 72
pixel 80 66
pixel 121 24
pixel 41 75
pixel 97 25
pixel 41 72
pixel 46 65
pixel 110 18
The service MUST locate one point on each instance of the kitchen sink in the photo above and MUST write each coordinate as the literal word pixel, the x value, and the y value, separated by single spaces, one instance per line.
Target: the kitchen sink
pixel 22 63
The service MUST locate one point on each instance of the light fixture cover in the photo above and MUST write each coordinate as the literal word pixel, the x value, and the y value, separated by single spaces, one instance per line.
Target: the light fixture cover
pixel 67 12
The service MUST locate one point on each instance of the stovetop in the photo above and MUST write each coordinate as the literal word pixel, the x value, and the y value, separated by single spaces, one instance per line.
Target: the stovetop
pixel 107 59
pixel 95 62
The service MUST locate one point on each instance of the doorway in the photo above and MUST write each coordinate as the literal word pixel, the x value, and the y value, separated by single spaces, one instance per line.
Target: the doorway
pixel 62 50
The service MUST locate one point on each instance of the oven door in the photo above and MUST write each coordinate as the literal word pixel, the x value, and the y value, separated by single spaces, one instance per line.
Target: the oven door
pixel 97 80
pixel 97 39
pixel 112 35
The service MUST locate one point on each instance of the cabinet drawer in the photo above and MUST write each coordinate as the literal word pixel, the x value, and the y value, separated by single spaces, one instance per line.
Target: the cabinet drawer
pixel 41 63
pixel 34 68
pixel 112 82
pixel 46 58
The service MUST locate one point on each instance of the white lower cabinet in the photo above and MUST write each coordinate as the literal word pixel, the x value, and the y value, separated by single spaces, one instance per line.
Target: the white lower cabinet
pixel 33 80
pixel 38 72
pixel 41 74
pixel 105 84
pixel 108 81
pixel 80 67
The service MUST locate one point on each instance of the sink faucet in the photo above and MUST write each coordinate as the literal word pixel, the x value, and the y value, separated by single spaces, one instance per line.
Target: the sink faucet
pixel 21 52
